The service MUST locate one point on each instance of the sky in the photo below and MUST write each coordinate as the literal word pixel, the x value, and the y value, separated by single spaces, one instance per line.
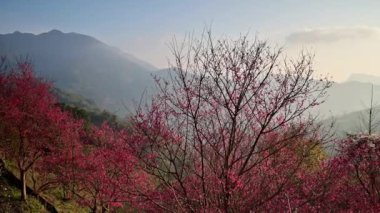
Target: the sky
pixel 344 35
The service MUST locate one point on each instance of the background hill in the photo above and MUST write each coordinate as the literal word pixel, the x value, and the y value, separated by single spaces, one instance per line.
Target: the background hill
pixel 80 64
pixel 348 104
pixel 354 122
pixel 348 97
pixel 113 80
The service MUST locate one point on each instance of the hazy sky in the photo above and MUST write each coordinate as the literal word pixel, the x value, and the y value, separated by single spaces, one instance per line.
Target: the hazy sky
pixel 343 34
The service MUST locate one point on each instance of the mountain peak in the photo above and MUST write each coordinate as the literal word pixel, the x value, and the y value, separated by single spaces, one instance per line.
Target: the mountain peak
pixel 55 31
pixel 52 32
pixel 80 64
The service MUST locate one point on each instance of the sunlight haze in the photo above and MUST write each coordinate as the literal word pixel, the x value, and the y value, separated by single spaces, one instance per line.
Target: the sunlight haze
pixel 344 35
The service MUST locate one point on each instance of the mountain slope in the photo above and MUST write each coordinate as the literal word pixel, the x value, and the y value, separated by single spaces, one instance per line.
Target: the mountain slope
pixel 81 64
pixel 354 122
pixel 348 97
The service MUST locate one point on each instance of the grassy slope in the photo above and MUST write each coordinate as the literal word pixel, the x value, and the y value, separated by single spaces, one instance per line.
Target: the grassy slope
pixel 10 196
pixel 53 196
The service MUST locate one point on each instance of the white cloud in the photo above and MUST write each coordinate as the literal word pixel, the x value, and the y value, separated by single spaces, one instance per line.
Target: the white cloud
pixel 329 35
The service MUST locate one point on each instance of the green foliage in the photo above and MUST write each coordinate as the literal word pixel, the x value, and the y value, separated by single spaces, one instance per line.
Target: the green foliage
pixel 86 109
pixel 73 99
pixel 33 205
pixel 91 116
pixel 83 108
pixel 7 191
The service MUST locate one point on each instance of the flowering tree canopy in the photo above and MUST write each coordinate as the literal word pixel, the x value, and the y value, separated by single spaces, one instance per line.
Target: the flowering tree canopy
pixel 32 125
pixel 222 124
pixel 356 172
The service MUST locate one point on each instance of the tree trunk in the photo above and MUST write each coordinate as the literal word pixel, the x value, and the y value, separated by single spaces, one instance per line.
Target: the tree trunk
pixel 23 185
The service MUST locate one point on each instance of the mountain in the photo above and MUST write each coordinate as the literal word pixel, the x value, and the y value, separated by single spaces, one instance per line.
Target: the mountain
pixel 82 65
pixel 354 122
pixel 347 97
pixel 364 78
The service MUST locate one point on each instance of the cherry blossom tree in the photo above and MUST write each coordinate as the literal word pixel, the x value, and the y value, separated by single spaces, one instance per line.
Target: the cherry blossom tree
pixel 60 167
pixel 94 165
pixel 108 175
pixel 356 172
pixel 31 124
pixel 219 136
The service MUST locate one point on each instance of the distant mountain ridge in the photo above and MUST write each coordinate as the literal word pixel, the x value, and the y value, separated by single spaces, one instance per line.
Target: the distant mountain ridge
pixel 351 96
pixel 347 97
pixel 365 78
pixel 81 64
pixel 112 79
pixel 350 101
pixel 354 122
